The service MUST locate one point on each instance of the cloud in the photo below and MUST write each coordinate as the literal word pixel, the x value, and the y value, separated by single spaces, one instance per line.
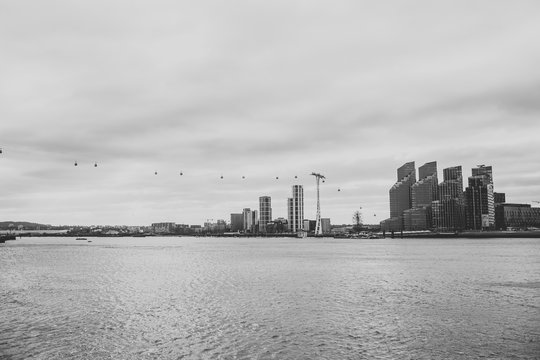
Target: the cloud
pixel 260 89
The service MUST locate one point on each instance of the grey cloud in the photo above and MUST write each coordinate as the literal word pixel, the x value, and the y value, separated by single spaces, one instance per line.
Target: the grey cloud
pixel 260 88
pixel 519 102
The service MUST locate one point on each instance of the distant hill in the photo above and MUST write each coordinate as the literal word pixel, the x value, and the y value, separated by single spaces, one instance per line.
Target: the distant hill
pixel 14 225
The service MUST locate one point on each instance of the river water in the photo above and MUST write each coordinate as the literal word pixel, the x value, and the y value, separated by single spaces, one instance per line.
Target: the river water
pixel 255 298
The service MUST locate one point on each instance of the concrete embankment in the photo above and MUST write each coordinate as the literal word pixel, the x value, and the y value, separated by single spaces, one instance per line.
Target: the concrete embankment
pixel 466 234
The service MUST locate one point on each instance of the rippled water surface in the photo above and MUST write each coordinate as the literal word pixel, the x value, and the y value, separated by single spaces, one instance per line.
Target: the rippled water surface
pixel 211 298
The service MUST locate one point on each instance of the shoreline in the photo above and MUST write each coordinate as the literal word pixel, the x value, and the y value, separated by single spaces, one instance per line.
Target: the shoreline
pixel 396 235
pixel 468 235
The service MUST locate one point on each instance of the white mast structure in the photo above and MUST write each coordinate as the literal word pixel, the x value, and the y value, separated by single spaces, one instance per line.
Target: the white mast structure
pixel 318 228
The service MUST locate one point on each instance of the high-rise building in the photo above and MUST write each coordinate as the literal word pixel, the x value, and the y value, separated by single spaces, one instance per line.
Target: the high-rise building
pixel 400 193
pixel 500 200
pixel 248 220
pixel 265 212
pixel 400 197
pixel 483 170
pixel 417 219
pixel 237 222
pixel 423 193
pixel 479 197
pixel 405 170
pixel 427 170
pixel 425 190
pixel 254 221
pixel 453 173
pixel 449 210
pixel 295 209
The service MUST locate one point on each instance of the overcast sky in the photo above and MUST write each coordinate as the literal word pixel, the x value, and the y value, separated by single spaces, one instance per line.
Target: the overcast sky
pixel 261 89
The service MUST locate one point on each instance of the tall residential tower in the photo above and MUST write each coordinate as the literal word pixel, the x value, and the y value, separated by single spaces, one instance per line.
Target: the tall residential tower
pixel 400 197
pixel 479 196
pixel 423 193
pixel 449 210
pixel 295 207
pixel 265 212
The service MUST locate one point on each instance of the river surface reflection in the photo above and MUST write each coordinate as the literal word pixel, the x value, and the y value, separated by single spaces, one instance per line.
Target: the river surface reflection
pixel 254 298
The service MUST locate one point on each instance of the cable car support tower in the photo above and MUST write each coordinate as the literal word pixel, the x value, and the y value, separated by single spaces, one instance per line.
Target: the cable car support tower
pixel 318 228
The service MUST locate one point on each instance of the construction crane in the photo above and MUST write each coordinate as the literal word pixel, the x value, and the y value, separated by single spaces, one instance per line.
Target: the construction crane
pixel 318 229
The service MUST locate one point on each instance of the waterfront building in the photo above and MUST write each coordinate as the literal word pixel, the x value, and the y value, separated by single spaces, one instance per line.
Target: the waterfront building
pixel 423 193
pixel 248 220
pixel 221 225
pixel 254 221
pixel 499 199
pixel 277 226
pixel 392 224
pixel 196 229
pixel 517 216
pixel 400 192
pixel 237 222
pixel 479 197
pixel 326 225
pixel 265 212
pixel 295 207
pixel 163 228
pixel 208 225
pixel 449 210
pixel 436 214
pixel 217 227
pixel 417 219
pixel 309 225
pixel 400 197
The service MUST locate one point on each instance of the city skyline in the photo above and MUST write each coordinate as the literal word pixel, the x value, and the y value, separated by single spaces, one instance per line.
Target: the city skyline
pixel 426 204
pixel 261 94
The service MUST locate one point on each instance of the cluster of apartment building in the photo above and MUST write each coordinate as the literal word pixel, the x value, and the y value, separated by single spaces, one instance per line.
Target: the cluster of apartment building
pixel 425 204
pixel 174 228
pixel 261 222
pixel 254 221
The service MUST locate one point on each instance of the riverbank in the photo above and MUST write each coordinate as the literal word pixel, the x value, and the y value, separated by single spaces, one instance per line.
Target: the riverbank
pixel 466 234
pixel 395 235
